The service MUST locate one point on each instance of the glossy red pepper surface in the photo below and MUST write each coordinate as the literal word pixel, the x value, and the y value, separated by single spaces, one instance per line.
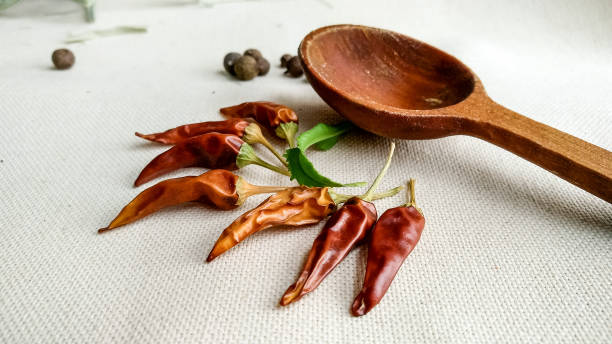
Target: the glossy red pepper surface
pixel 212 150
pixel 344 229
pixel 234 126
pixel 394 236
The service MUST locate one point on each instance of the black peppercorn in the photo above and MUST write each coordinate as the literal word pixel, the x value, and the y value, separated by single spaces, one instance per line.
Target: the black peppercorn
pixel 294 67
pixel 263 66
pixel 62 58
pixel 284 59
pixel 229 60
pixel 246 68
pixel 254 53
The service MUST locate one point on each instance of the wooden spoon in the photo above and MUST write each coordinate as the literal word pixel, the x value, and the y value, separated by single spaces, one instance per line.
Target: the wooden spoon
pixel 395 86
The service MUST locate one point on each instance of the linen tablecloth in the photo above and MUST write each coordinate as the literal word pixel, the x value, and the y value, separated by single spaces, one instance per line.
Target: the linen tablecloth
pixel 510 253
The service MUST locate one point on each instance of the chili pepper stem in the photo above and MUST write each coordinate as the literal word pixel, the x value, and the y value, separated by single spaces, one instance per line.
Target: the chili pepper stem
pixel 253 135
pixel 245 190
pixel 247 156
pixel 368 195
pixel 274 168
pixel 287 131
pixel 411 197
pixel 341 198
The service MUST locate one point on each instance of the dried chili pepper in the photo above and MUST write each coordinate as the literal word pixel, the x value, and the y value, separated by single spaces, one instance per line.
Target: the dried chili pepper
pixel 212 150
pixel 219 188
pixel 234 126
pixel 344 230
pixel 276 117
pixel 268 114
pixel 394 236
pixel 296 206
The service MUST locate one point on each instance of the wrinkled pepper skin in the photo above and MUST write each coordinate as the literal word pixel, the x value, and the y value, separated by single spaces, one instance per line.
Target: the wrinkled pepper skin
pixel 212 150
pixel 395 235
pixel 296 206
pixel 234 126
pixel 268 114
pixel 215 187
pixel 344 230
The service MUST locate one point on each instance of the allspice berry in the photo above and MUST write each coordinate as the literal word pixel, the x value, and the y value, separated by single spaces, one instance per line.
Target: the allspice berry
pixel 62 58
pixel 294 67
pixel 229 60
pixel 263 66
pixel 254 53
pixel 284 59
pixel 246 68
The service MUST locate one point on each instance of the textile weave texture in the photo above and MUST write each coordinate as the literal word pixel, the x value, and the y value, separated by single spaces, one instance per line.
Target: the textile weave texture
pixel 510 253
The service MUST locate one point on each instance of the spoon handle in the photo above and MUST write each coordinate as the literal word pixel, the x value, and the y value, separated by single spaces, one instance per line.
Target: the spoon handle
pixel 583 164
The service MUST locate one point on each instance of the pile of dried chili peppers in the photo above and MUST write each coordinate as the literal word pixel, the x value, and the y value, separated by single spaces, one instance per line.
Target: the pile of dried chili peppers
pixel 223 146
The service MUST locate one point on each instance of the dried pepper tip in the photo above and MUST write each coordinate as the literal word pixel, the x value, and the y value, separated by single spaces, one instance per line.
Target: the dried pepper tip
pixel 368 195
pixel 292 207
pixel 215 187
pixel 253 135
pixel 234 126
pixel 219 188
pixel 341 198
pixel 247 156
pixel 246 190
pixel 287 131
pixel 410 196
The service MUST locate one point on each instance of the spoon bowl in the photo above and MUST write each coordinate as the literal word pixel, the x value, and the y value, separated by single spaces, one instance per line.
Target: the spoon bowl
pixel 396 86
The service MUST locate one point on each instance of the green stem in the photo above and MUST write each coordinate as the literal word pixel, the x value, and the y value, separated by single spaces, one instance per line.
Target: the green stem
pixel 90 14
pixel 275 152
pixel 368 195
pixel 411 197
pixel 272 167
pixel 341 198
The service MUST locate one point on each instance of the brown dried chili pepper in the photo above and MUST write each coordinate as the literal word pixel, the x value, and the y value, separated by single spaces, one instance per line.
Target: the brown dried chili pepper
pixel 296 206
pixel 212 150
pixel 234 126
pixel 268 114
pixel 219 188
pixel 276 117
pixel 394 236
pixel 344 230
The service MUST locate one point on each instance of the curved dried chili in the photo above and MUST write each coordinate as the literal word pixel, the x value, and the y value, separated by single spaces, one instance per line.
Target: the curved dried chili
pixel 221 189
pixel 344 230
pixel 212 150
pixel 234 126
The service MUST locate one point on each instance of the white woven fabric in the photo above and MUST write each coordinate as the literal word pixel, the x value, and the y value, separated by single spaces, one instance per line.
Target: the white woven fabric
pixel 510 253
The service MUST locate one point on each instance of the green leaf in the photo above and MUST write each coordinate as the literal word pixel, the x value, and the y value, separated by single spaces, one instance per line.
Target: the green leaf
pixel 323 132
pixel 327 144
pixel 304 172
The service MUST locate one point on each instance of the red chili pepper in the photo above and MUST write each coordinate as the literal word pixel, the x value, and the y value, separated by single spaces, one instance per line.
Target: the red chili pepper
pixel 212 150
pixel 395 235
pixel 296 206
pixel 219 188
pixel 344 230
pixel 268 114
pixel 234 126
